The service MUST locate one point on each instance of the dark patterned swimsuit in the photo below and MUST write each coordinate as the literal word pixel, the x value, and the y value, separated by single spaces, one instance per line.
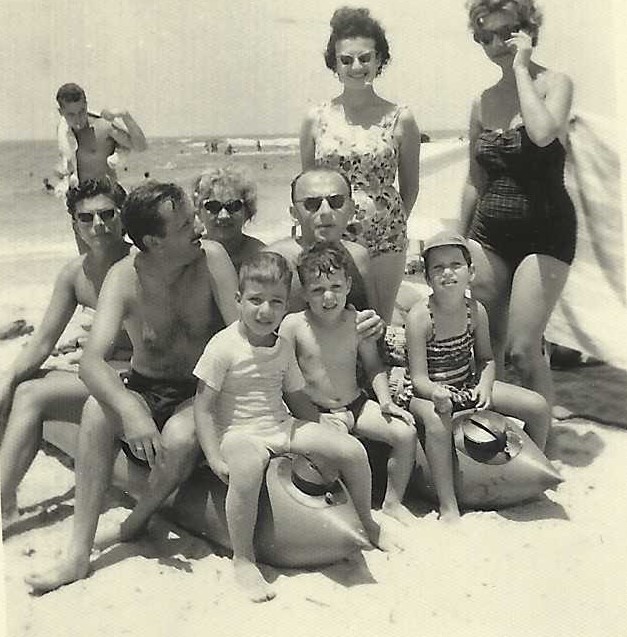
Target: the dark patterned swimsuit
pixel 525 208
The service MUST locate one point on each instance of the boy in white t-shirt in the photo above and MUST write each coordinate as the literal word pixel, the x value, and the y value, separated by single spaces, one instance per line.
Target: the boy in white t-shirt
pixel 245 373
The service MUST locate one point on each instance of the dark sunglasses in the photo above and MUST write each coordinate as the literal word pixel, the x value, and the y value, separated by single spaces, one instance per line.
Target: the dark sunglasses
pixel 312 204
pixel 486 36
pixel 364 58
pixel 214 206
pixel 88 217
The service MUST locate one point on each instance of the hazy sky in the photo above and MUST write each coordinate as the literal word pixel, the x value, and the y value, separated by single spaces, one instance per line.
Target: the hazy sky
pixel 205 67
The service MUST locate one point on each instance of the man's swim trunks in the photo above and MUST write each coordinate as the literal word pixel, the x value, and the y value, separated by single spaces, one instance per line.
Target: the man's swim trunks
pixel 162 395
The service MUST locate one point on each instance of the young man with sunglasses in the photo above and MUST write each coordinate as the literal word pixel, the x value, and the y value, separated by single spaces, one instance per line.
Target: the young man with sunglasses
pixel 322 207
pixel 30 395
pixel 168 297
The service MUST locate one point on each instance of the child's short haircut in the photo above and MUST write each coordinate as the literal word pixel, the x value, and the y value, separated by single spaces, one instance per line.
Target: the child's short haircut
pixel 322 258
pixel 266 268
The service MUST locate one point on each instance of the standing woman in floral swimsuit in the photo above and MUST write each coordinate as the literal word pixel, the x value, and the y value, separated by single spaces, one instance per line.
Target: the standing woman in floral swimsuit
pixel 518 216
pixel 369 139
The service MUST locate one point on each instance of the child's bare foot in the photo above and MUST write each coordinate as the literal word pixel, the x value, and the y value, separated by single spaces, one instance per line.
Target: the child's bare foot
pixel 450 515
pixel 10 513
pixel 381 538
pixel 399 512
pixel 250 579
pixel 65 572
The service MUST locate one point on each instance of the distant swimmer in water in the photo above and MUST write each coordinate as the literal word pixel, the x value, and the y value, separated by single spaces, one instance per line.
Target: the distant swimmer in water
pixel 28 394
pixel 47 185
pixel 91 145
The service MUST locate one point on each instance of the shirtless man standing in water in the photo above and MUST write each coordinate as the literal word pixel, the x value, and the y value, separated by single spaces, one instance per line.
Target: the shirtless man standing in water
pixel 167 298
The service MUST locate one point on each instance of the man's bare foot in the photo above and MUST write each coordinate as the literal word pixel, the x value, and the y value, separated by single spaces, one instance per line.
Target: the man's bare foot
pixel 125 531
pixel 65 572
pixel 250 579
pixel 399 512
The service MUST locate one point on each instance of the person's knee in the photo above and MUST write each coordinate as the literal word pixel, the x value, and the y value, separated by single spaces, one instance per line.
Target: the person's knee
pixel 346 449
pixel 524 355
pixel 403 435
pixel 537 407
pixel 94 419
pixel 29 395
pixel 244 457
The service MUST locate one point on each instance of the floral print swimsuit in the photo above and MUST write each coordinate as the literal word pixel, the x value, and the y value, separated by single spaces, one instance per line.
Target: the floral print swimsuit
pixel 369 159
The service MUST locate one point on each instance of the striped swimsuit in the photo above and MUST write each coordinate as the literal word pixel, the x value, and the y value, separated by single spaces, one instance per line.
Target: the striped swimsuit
pixel 449 360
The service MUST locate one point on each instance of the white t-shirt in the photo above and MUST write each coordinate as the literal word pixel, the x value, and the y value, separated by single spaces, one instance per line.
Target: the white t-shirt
pixel 250 381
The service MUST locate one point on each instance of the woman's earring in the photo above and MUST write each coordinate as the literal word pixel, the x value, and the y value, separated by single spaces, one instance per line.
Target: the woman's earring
pixel 296 230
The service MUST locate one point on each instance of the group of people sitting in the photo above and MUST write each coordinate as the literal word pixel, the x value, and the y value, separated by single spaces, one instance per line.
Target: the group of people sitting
pixel 280 377
pixel 245 350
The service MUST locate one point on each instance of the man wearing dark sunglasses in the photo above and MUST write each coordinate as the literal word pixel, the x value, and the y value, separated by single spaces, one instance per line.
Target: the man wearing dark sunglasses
pixel 321 208
pixel 30 395
pixel 169 297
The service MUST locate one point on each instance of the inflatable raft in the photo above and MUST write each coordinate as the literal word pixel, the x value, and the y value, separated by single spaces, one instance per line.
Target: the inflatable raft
pixel 497 464
pixel 304 520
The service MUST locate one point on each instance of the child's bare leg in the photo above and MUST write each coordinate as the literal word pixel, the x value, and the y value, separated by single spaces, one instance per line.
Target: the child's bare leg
pixel 526 405
pixel 439 452
pixel 247 460
pixel 402 440
pixel 57 396
pixel 349 456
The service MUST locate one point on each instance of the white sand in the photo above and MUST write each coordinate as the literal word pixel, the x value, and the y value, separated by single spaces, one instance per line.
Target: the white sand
pixel 553 567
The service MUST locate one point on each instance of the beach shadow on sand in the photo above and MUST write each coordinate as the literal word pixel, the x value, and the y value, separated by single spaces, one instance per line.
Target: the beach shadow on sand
pixel 571 447
pixel 164 542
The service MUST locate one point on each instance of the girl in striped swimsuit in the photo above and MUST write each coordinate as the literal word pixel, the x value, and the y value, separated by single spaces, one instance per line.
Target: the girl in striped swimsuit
pixel 451 367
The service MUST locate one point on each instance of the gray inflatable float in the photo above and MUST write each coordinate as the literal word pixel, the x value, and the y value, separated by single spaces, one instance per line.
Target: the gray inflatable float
pixel 497 465
pixel 304 520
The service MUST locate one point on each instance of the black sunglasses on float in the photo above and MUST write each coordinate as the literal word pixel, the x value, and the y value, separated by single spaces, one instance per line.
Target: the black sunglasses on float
pixel 312 204
pixel 486 36
pixel 87 217
pixel 214 206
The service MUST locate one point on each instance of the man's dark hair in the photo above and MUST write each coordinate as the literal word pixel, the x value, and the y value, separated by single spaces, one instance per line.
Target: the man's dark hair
pixel 93 188
pixel 70 93
pixel 140 212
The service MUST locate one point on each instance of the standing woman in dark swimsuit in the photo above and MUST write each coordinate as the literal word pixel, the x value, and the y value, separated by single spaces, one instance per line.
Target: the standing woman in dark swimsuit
pixel 515 209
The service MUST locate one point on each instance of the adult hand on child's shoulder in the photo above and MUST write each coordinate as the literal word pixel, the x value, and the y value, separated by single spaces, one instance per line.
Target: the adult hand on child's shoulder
pixel 369 324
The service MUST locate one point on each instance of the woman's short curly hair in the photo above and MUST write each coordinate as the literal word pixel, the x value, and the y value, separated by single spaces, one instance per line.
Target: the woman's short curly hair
pixel 229 177
pixel 526 12
pixel 351 22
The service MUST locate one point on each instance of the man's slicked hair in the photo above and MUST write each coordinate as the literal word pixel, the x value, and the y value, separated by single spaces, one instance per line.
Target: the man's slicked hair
pixel 140 213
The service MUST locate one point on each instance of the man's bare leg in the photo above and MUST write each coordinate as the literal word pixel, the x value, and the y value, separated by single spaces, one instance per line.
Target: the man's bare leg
pixel 93 468
pixel 181 449
pixel 57 396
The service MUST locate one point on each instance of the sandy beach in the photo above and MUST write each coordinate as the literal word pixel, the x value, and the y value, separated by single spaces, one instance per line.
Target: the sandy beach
pixel 552 567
